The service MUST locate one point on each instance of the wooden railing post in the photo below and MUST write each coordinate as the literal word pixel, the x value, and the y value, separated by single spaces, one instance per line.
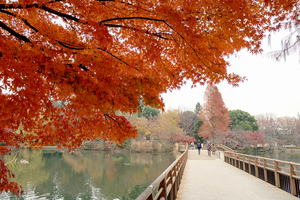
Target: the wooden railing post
pixel 265 170
pixel 293 184
pixel 163 185
pixel 240 159
pixel 176 179
pixel 249 164
pixel 236 157
pixel 256 167
pixel 276 169
pixel 150 197
pixel 244 168
pixel 170 182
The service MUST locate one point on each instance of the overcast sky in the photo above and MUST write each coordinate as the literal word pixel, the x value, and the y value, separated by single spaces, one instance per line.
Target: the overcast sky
pixel 272 87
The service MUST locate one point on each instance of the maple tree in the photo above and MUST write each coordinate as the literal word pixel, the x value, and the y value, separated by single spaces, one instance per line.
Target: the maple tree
pixel 213 113
pixel 184 139
pixel 254 138
pixel 103 56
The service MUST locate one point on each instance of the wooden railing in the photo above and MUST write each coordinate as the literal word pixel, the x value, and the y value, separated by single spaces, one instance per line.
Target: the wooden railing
pixel 281 174
pixel 167 184
pixel 224 148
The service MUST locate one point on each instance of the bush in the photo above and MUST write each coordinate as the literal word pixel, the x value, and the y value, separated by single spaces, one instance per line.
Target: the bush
pixel 127 144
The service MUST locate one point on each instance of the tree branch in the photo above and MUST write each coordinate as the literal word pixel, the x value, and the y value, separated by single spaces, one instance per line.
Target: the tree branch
pixel 14 33
pixel 60 14
pixel 124 18
pixel 24 20
pixel 24 6
pixel 113 120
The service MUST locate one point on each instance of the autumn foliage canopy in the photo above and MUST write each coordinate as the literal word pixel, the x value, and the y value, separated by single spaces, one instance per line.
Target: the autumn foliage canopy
pixel 101 56
pixel 214 114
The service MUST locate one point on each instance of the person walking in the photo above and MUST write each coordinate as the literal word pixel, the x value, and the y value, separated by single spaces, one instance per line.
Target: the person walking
pixel 192 145
pixel 213 149
pixel 208 149
pixel 199 146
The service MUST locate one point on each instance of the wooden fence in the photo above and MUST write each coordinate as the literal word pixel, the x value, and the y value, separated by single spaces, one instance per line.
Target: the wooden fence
pixel 282 174
pixel 167 184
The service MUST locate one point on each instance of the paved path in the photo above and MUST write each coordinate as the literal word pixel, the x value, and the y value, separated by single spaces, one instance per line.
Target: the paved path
pixel 209 178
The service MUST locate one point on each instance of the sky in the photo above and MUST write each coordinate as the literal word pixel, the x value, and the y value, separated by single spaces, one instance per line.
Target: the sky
pixel 272 86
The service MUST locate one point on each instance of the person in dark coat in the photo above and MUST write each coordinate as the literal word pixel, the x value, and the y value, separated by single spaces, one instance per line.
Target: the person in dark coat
pixel 199 146
pixel 208 149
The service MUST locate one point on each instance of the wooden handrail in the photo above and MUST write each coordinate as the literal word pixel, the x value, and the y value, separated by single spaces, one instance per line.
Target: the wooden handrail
pixel 281 174
pixel 167 184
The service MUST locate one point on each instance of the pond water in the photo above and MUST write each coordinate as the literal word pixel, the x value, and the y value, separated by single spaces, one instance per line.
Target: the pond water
pixel 290 157
pixel 86 174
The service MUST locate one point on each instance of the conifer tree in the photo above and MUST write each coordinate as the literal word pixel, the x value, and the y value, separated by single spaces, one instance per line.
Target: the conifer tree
pixel 213 113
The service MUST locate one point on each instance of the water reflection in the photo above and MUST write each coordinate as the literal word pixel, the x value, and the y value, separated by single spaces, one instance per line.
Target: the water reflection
pixel 290 157
pixel 86 174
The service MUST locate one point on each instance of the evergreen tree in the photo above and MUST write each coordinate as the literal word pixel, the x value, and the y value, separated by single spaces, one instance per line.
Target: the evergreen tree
pixel 197 109
pixel 198 122
pixel 242 119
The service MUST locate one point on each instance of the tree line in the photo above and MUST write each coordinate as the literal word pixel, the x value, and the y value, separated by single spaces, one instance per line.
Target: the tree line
pixel 238 128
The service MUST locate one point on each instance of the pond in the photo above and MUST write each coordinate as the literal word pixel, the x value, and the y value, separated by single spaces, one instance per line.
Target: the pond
pixel 86 174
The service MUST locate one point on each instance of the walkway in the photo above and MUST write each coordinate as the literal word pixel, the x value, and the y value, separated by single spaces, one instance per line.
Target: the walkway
pixel 209 178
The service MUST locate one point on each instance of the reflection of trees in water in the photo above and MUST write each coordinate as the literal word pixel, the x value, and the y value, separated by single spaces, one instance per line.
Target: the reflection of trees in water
pixel 82 162
pixel 63 181
pixel 83 174
pixel 32 174
pixel 110 167
pixel 119 175
pixel 290 157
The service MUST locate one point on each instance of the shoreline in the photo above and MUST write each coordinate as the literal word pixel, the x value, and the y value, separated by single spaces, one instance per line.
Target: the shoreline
pixel 55 148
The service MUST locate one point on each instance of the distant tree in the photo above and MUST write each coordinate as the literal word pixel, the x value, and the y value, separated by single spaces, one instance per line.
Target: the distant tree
pixel 198 122
pixel 140 107
pixel 242 120
pixel 281 142
pixel 168 123
pixel 184 139
pixel 298 115
pixel 163 127
pixel 197 109
pixel 214 114
pixel 267 125
pixel 247 138
pixel 289 127
pixel 149 112
pixel 255 138
pixel 187 122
